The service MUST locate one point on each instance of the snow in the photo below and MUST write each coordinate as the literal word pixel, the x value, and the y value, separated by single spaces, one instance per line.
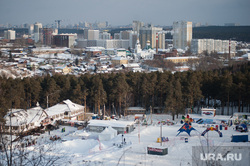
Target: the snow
pixel 91 151
pixel 20 117
pixel 107 134
pixel 112 123
pixel 61 108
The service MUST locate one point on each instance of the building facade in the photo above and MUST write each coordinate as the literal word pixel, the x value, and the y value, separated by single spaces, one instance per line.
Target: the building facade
pixel 10 35
pixel 47 36
pixel 181 59
pixel 148 33
pixel 182 35
pixel 111 43
pixel 64 40
pixel 91 34
pixel 38 32
pixel 198 46
pixel 105 35
pixel 137 26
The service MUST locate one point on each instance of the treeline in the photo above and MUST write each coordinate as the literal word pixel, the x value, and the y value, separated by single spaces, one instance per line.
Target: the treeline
pixel 166 91
pixel 238 33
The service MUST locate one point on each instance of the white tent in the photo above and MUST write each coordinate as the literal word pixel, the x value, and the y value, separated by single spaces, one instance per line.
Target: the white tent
pixel 107 134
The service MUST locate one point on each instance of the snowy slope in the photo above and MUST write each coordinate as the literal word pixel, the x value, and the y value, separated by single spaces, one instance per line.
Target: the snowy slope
pixel 90 151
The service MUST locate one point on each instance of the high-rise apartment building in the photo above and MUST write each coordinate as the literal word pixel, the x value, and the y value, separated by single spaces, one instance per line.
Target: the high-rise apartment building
pixel 64 40
pixel 148 33
pixel 129 35
pixel 105 35
pixel 38 32
pixel 161 40
pixel 91 34
pixel 31 29
pixel 47 36
pixel 10 34
pixel 137 26
pixel 182 34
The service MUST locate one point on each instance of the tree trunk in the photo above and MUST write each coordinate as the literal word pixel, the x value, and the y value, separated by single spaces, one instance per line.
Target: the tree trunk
pixel 173 115
pixel 222 109
pixel 239 105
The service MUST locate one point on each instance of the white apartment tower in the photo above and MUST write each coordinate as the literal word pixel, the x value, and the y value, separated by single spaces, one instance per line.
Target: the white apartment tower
pixel 91 34
pixel 38 31
pixel 10 34
pixel 182 34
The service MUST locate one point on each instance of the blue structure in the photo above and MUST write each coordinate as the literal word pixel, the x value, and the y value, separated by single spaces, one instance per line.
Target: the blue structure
pixel 187 128
pixel 211 129
pixel 239 138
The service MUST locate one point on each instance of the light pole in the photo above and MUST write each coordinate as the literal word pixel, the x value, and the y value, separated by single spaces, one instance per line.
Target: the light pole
pixel 48 97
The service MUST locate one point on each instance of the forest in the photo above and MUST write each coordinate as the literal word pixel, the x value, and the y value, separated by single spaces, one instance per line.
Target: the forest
pixel 238 33
pixel 170 93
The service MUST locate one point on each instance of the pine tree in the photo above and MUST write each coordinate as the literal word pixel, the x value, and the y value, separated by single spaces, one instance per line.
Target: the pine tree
pixel 98 93
pixel 120 90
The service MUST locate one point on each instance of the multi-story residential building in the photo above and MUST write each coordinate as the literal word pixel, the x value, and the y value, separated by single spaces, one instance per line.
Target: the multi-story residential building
pixel 91 34
pixel 105 35
pixel 31 29
pixel 111 43
pixel 148 33
pixel 121 52
pixel 137 26
pixel 47 36
pixel 118 61
pixel 183 59
pixel 38 32
pixel 129 35
pixel 10 35
pixel 198 46
pixel 161 40
pixel 117 36
pixel 124 35
pixel 182 34
pixel 64 40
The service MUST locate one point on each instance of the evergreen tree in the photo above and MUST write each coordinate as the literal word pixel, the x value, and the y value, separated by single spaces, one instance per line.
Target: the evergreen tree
pixel 161 88
pixel 120 90
pixel 50 92
pixel 98 93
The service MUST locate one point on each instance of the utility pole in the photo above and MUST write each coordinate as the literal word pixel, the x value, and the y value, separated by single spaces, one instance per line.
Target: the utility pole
pixel 10 162
pixel 161 134
pixel 48 97
pixel 229 49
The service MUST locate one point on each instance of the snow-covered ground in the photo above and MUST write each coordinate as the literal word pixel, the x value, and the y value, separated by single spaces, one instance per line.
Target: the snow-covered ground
pixel 89 151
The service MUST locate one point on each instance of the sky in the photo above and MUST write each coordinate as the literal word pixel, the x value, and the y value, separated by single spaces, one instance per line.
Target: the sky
pixel 123 12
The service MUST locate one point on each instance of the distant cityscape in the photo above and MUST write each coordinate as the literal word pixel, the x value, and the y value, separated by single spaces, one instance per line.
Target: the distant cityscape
pixel 35 49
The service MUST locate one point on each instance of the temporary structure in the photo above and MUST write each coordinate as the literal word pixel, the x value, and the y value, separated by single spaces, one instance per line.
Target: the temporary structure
pixel 107 134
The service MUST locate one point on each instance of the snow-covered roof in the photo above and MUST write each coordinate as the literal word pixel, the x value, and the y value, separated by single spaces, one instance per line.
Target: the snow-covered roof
pixel 136 108
pixel 134 65
pixel 119 58
pixel 182 57
pixel 112 123
pixel 247 55
pixel 109 130
pixel 73 106
pixel 21 117
pixel 49 49
pixel 68 106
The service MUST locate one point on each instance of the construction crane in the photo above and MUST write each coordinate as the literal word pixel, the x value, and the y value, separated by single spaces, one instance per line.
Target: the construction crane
pixel 58 23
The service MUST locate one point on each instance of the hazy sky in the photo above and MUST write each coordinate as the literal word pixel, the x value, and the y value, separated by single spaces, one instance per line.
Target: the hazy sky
pixel 123 12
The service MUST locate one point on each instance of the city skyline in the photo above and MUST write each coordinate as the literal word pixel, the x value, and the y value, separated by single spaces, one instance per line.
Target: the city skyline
pixel 158 12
